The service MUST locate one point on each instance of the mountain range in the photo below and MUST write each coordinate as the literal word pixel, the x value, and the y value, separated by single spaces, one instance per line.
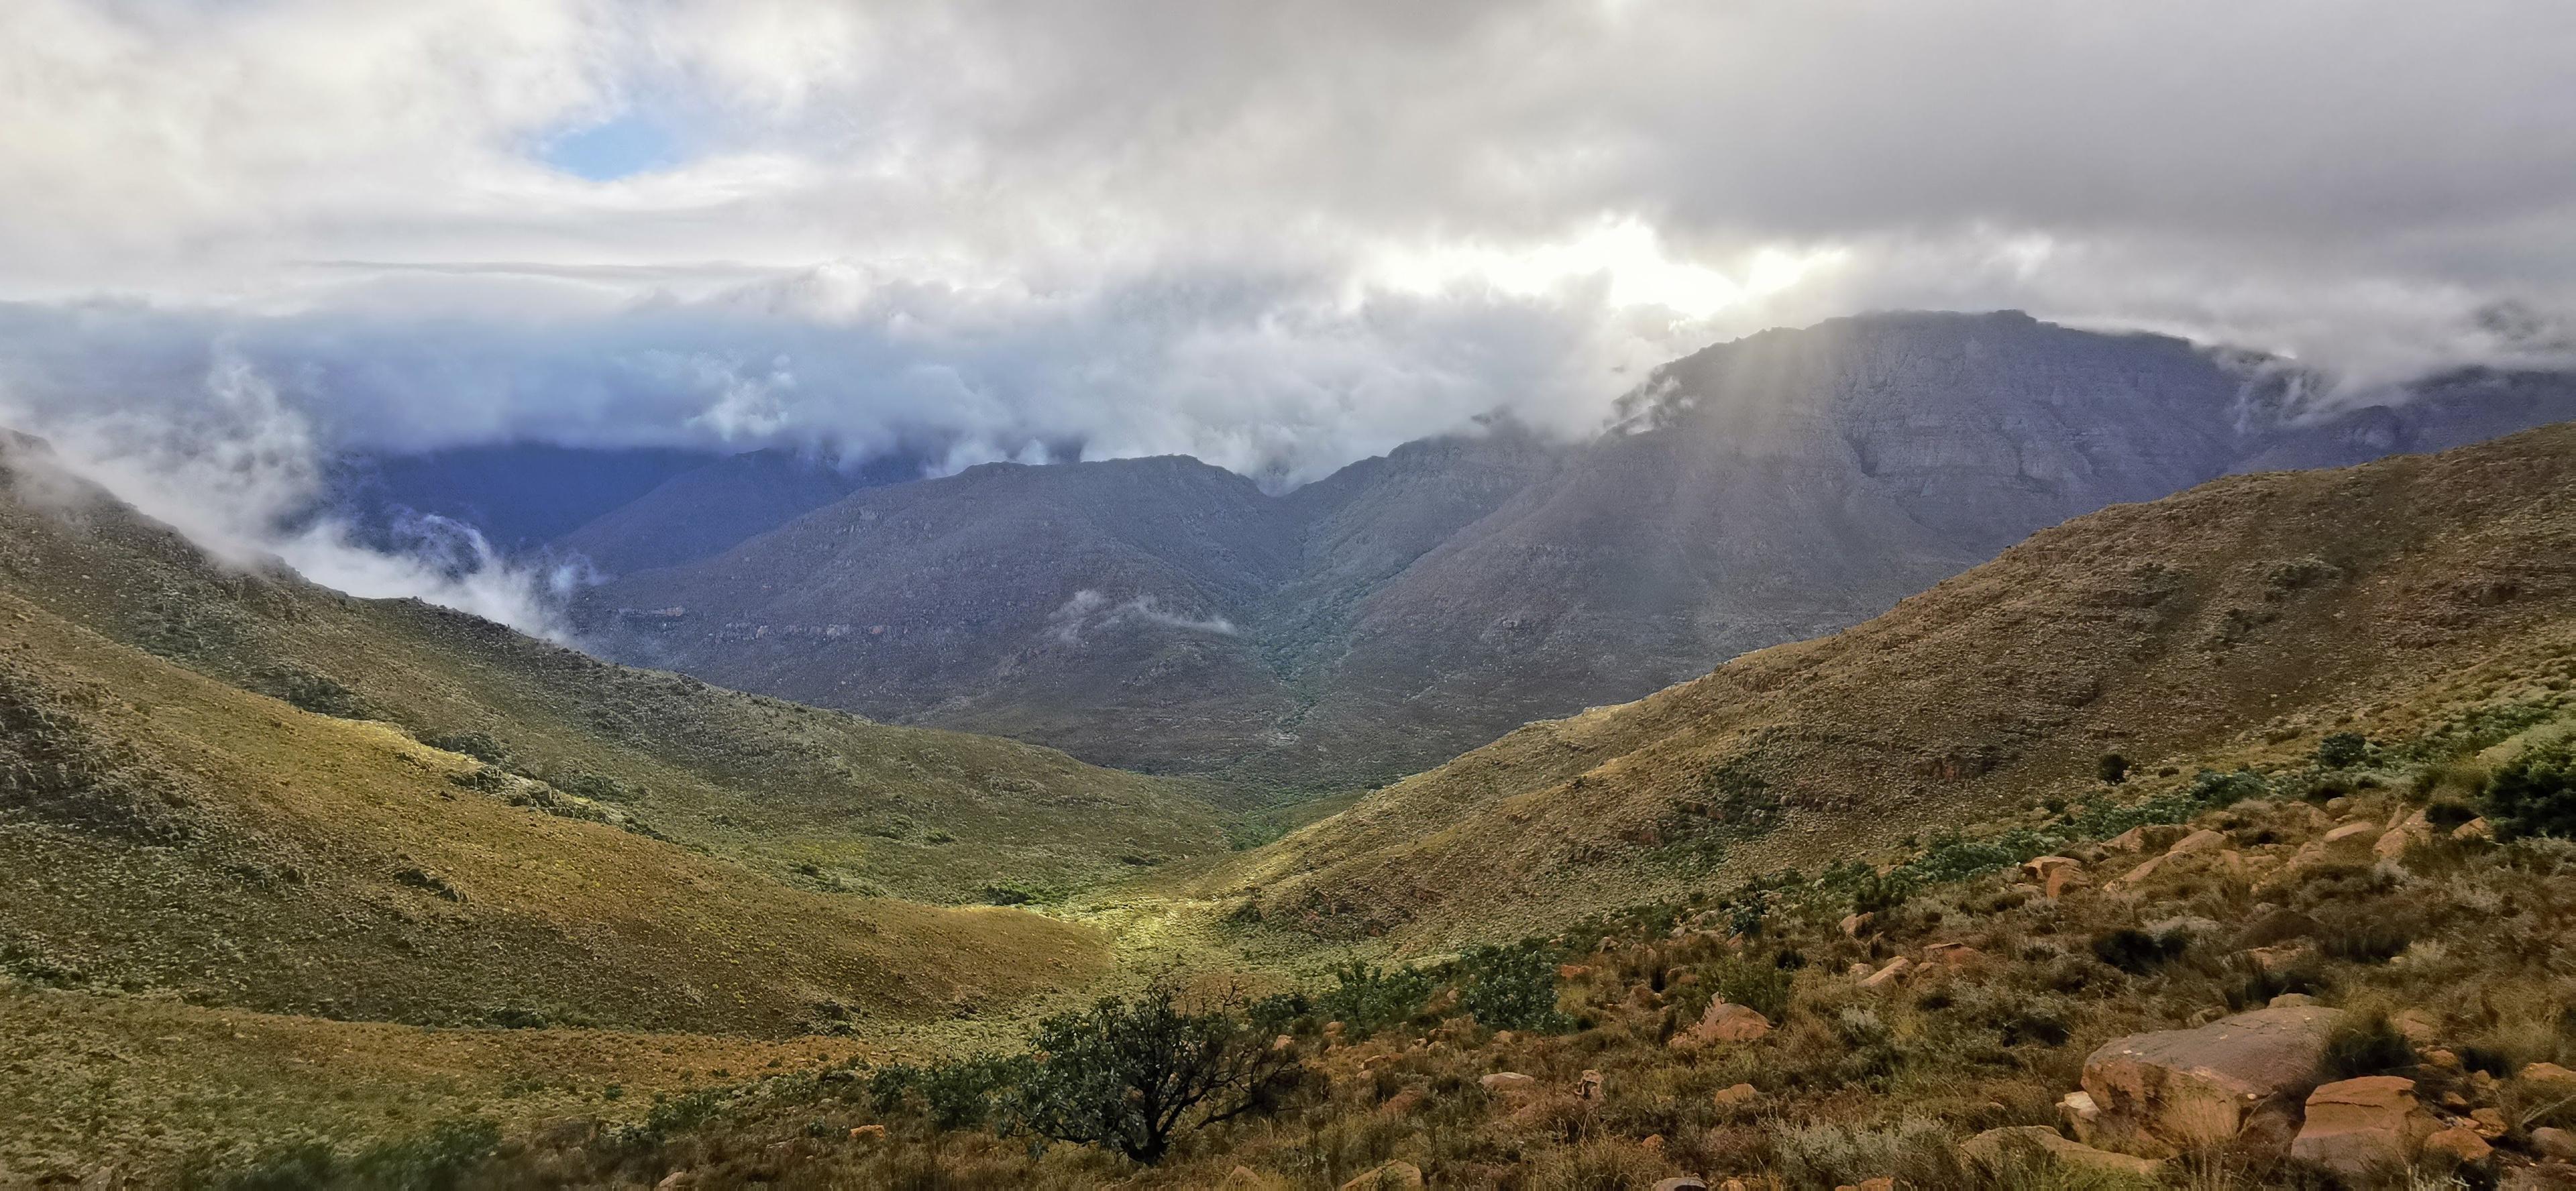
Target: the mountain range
pixel 1169 616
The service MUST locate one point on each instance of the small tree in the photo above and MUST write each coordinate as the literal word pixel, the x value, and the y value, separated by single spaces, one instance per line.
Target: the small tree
pixel 1132 1074
pixel 2343 750
pixel 1511 988
pixel 2535 794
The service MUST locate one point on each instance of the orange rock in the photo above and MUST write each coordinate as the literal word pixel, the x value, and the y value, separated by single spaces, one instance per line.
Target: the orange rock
pixel 1734 1097
pixel 2184 1088
pixel 868 1133
pixel 1572 971
pixel 2357 1126
pixel 1393 1176
pixel 1507 1081
pixel 1894 971
pixel 2462 1144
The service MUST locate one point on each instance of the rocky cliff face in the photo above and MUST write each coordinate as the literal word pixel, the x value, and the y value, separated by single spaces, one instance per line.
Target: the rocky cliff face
pixel 1166 615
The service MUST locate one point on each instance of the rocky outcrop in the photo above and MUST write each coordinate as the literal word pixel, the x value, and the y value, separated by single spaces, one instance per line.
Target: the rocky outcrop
pixel 1724 1022
pixel 2184 1088
pixel 1999 1150
pixel 2359 1127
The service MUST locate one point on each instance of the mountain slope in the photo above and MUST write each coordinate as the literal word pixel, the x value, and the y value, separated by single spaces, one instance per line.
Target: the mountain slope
pixel 1760 491
pixel 703 512
pixel 2276 601
pixel 812 796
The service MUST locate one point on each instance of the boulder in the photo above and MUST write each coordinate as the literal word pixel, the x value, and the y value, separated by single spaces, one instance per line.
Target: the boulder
pixel 1894 971
pixel 2203 840
pixel 1508 1081
pixel 2054 874
pixel 1734 1097
pixel 2460 1143
pixel 1388 1177
pixel 2184 1088
pixel 868 1133
pixel 2133 840
pixel 2080 1115
pixel 2551 1142
pixel 1682 1183
pixel 2358 1127
pixel 2138 876
pixel 2549 1073
pixel 1997 1150
pixel 2417 1026
pixel 2473 831
pixel 2354 834
pixel 1857 925
pixel 1953 955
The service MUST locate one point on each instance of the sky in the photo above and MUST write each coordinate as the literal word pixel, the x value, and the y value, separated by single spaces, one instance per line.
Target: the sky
pixel 1279 237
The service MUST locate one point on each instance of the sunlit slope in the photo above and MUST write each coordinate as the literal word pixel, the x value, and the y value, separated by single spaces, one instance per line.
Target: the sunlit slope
pixel 817 798
pixel 2262 607
pixel 163 832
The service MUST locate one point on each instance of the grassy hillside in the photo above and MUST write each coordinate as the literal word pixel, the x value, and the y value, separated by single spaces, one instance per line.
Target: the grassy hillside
pixel 2271 605
pixel 819 799
pixel 163 832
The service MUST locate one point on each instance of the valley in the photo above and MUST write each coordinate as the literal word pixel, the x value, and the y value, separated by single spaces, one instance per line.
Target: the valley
pixel 570 923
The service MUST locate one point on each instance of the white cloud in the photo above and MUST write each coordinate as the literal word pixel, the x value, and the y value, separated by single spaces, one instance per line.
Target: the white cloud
pixel 1277 236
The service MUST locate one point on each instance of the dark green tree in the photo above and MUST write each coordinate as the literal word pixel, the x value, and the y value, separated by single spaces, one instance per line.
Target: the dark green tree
pixel 2343 750
pixel 2535 794
pixel 1130 1075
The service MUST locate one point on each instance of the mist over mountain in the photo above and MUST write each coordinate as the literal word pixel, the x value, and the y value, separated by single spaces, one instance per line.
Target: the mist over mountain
pixel 1168 615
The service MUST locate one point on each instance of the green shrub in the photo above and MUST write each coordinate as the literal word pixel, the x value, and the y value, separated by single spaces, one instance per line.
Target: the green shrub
pixel 2535 794
pixel 1763 988
pixel 1510 988
pixel 1130 1075
pixel 2343 750
pixel 2367 1044
pixel 1366 998
pixel 2136 952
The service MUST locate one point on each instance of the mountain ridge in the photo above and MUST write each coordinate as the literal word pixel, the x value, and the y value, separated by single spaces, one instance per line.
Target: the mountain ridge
pixel 1417 604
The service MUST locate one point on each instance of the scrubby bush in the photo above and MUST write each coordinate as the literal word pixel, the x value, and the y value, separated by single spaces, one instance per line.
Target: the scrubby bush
pixel 479 745
pixel 2535 794
pixel 442 1159
pixel 2367 1044
pixel 2112 768
pixel 1763 988
pixel 2137 952
pixel 1510 988
pixel 2343 750
pixel 1129 1075
pixel 1366 998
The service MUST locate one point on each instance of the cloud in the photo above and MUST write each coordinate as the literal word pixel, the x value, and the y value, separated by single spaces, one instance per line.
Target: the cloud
pixel 239 471
pixel 1277 237
pixel 1088 611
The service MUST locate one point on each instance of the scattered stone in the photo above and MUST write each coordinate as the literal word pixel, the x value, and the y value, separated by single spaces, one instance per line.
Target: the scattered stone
pixel 1390 1177
pixel 2548 1073
pixel 1734 1097
pixel 2192 1087
pixel 1402 1103
pixel 2080 1115
pixel 1724 1022
pixel 1894 971
pixel 2203 840
pixel 2138 876
pixel 1858 924
pixel 868 1133
pixel 1997 1149
pixel 2461 1143
pixel 2552 1142
pixel 2358 1126
pixel 1508 1081
pixel 1858 970
pixel 2350 832
pixel 1953 955
pixel 2055 874
pixel 2474 831
pixel 2132 840
pixel 677 1180
pixel 2418 1026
